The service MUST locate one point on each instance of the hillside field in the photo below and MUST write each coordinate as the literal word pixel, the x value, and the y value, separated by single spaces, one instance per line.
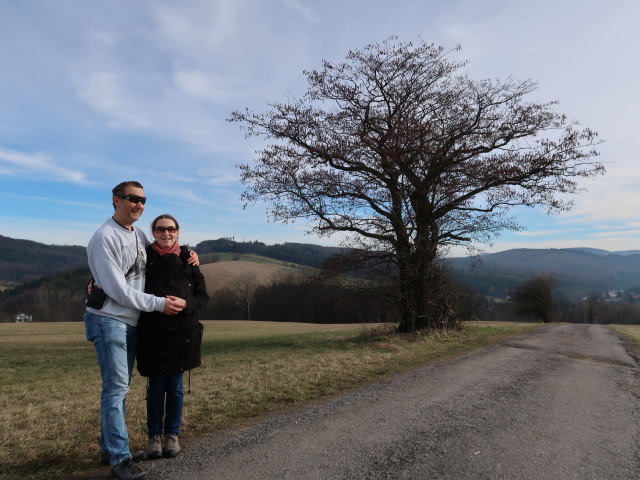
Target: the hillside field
pixel 222 274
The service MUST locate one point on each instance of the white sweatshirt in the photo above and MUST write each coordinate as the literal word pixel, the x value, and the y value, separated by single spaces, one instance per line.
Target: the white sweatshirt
pixel 117 260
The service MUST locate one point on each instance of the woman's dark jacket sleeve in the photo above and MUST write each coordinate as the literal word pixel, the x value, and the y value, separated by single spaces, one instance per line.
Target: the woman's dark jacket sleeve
pixel 197 297
pixel 171 343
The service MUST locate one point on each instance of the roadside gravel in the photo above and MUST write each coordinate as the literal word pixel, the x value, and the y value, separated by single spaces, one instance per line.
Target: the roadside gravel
pixel 559 403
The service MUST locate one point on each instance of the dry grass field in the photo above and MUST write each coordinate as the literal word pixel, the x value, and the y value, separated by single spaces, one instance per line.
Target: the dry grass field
pixel 50 384
pixel 222 274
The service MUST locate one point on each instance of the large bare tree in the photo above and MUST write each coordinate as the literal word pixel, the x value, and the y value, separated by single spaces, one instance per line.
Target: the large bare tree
pixel 406 156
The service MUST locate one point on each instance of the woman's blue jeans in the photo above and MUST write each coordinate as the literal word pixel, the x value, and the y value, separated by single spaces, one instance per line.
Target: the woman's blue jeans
pixel 115 344
pixel 165 398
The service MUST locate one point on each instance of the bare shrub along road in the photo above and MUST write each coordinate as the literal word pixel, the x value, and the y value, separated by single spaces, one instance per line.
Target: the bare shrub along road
pixel 559 403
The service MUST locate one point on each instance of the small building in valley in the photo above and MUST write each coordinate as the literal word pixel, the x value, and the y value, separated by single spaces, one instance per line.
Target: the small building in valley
pixel 22 318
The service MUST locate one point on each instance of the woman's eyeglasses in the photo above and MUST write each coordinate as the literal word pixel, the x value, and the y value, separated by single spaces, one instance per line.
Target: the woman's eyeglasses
pixel 166 229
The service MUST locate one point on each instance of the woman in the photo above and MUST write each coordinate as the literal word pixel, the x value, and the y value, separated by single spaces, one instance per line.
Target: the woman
pixel 168 345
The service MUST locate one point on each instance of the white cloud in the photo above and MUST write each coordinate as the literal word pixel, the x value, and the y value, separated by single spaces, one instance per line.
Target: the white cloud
pixel 106 94
pixel 81 203
pixel 176 177
pixel 545 233
pixel 103 38
pixel 224 180
pixel 201 85
pixel 618 233
pixel 37 165
pixel 190 197
pixel 197 27
pixel 306 12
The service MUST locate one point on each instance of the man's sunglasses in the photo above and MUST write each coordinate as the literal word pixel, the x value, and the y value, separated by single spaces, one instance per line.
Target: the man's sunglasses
pixel 134 198
pixel 166 229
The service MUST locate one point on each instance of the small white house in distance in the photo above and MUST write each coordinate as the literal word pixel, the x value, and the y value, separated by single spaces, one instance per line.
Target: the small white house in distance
pixel 22 317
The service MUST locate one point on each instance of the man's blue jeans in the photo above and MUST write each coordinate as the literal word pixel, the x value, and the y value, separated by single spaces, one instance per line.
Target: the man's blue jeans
pixel 115 344
pixel 165 397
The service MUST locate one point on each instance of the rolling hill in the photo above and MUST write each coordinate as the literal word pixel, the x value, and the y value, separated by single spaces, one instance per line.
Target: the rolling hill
pixel 577 272
pixel 24 260
pixel 223 274
pixel 41 269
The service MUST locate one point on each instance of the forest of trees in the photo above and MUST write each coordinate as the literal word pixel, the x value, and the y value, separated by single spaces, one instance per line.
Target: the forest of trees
pixel 55 298
pixel 301 253
pixel 299 298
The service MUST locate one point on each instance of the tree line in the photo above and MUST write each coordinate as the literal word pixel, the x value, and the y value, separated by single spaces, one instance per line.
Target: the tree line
pixel 323 297
pixel 535 300
pixel 300 253
pixel 55 298
pixel 297 297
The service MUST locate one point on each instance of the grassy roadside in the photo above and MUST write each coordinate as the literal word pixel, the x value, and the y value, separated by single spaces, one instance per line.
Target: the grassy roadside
pixel 629 331
pixel 49 381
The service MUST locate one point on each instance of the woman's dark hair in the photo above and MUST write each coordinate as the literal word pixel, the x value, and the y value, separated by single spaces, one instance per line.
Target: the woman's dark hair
pixel 160 217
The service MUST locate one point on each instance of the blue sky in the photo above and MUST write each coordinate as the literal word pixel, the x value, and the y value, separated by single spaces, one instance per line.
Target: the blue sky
pixel 93 93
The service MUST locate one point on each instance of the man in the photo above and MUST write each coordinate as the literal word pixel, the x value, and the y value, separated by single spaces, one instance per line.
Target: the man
pixel 117 258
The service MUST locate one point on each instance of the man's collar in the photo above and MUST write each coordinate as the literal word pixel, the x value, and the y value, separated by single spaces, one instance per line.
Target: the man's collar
pixel 114 219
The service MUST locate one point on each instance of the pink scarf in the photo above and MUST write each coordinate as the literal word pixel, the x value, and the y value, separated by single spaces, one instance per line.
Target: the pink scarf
pixel 175 249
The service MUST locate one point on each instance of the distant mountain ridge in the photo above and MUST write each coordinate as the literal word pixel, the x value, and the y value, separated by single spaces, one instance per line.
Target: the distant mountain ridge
pixel 578 271
pixel 25 260
pixel 599 251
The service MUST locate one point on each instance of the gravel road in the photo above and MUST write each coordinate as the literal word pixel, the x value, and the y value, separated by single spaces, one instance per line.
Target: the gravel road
pixel 559 403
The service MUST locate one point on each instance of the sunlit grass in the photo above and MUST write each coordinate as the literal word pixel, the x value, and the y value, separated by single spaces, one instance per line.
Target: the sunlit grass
pixel 50 383
pixel 630 331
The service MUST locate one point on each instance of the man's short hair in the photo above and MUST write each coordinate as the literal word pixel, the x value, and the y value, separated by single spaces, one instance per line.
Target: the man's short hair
pixel 121 187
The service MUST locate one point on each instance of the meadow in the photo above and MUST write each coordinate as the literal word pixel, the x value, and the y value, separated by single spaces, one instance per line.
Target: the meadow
pixel 50 383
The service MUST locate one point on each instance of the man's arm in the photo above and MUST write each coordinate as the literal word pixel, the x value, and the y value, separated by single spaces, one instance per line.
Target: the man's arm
pixel 108 275
pixel 193 256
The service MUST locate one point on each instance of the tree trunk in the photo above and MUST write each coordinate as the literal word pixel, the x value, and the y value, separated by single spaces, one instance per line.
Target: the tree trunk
pixel 417 286
pixel 406 302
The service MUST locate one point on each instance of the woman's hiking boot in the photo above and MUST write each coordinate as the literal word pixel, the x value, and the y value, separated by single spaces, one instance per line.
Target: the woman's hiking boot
pixel 171 445
pixel 154 447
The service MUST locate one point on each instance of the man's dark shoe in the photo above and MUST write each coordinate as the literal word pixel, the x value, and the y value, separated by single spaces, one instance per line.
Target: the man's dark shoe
pixel 127 470
pixel 135 456
pixel 139 455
